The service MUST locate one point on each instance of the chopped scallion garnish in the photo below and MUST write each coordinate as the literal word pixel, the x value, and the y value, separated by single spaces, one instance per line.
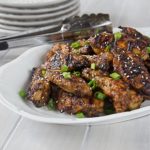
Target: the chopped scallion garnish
pixel 22 93
pixel 100 95
pixel 107 49
pixel 66 75
pixel 51 104
pixel 93 66
pixel 76 45
pixel 64 68
pixel 80 115
pixel 77 73
pixel 92 84
pixel 43 72
pixel 148 50
pixel 115 76
pixel 117 35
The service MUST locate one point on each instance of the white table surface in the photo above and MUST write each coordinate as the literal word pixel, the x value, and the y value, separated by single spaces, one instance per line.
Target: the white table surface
pixel 18 133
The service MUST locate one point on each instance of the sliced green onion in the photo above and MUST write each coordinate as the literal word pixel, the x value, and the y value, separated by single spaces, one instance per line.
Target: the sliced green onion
pixel 115 76
pixel 76 45
pixel 43 72
pixel 77 73
pixel 64 68
pixel 93 66
pixel 100 95
pixel 80 115
pixel 22 93
pixel 148 50
pixel 51 104
pixel 92 84
pixel 86 43
pixel 107 49
pixel 117 35
pixel 66 75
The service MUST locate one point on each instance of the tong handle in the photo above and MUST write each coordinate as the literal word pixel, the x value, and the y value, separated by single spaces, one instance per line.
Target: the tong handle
pixel 30 33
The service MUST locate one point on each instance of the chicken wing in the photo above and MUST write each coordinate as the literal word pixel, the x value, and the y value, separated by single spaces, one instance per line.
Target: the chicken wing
pixel 133 41
pixel 133 71
pixel 39 89
pixel 83 48
pixel 75 85
pixel 72 104
pixel 63 47
pixel 73 61
pixel 123 98
pixel 103 61
pixel 101 42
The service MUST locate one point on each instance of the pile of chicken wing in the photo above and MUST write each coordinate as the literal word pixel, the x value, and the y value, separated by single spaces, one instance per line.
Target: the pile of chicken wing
pixel 107 73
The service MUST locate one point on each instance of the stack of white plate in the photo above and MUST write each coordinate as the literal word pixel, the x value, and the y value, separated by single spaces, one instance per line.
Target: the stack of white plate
pixel 27 14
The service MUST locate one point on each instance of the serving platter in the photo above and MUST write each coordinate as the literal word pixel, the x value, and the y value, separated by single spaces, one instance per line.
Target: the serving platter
pixel 15 76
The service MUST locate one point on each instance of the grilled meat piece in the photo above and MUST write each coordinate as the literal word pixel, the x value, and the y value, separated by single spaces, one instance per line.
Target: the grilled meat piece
pixel 75 85
pixel 39 89
pixel 133 41
pixel 133 33
pixel 63 47
pixel 123 98
pixel 67 102
pixel 133 71
pixel 73 61
pixel 72 104
pixel 101 42
pixel 83 49
pixel 136 46
pixel 103 61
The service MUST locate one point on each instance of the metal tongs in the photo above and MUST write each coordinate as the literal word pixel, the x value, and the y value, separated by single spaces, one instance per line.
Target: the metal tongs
pixel 69 29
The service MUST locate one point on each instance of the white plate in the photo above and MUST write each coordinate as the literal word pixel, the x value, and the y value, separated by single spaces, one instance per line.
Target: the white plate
pixel 46 9
pixel 31 3
pixel 35 17
pixel 48 21
pixel 14 76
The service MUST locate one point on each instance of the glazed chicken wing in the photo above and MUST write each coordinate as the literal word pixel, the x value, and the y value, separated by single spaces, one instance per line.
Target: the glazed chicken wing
pixel 123 98
pixel 103 61
pixel 63 47
pixel 133 41
pixel 73 61
pixel 133 71
pixel 73 104
pixel 74 84
pixel 83 47
pixel 39 89
pixel 101 42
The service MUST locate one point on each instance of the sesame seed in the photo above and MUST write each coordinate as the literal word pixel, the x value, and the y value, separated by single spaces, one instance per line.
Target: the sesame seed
pixel 146 78
pixel 61 110
pixel 143 82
